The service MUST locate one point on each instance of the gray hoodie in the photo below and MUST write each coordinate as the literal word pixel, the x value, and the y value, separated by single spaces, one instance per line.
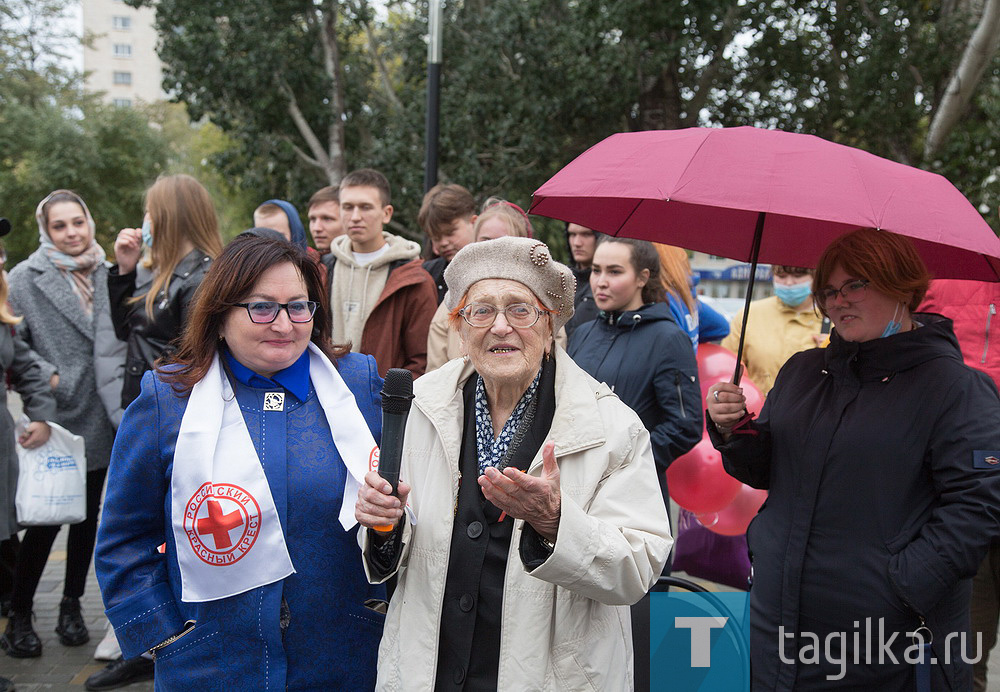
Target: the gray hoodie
pixel 355 288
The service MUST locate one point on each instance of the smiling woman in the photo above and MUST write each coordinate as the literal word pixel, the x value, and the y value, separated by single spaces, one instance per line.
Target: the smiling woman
pixel 61 292
pixel 235 438
pixel 491 442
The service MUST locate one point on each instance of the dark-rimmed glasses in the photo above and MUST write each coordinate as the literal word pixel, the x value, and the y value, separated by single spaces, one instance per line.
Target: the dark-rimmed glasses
pixel 521 315
pixel 266 311
pixel 852 291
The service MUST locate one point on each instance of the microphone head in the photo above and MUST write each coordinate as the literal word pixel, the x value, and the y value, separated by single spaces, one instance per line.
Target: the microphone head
pixel 397 391
pixel 4 227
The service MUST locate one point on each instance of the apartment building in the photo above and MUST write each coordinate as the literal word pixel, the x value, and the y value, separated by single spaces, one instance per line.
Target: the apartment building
pixel 121 62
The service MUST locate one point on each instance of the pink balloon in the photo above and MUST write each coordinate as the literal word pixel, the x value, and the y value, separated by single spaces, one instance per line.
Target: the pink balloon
pixel 717 364
pixel 698 482
pixel 734 519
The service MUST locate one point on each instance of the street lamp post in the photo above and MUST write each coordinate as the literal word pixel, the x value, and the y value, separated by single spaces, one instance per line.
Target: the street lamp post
pixel 433 95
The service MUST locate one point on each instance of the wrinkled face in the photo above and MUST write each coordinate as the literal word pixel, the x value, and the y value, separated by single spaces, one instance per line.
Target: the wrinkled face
pixel 865 317
pixel 501 353
pixel 613 279
pixel 363 215
pixel 456 236
pixel 276 221
pixel 582 243
pixel 268 348
pixel 324 225
pixel 492 228
pixel 68 228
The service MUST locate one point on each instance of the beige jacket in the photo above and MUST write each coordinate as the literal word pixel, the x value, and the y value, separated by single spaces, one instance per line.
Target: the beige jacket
pixel 566 625
pixel 775 332
pixel 443 343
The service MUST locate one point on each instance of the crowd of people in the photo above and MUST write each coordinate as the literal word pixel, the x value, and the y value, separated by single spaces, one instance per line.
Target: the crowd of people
pixel 230 399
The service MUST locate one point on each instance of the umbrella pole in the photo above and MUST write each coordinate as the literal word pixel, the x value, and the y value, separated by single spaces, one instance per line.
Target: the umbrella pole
pixel 754 252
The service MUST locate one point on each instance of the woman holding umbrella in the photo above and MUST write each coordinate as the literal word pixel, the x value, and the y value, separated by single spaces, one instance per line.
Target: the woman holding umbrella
pixel 879 453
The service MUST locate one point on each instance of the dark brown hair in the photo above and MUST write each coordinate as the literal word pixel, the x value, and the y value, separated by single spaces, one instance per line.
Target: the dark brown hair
pixel 643 255
pixel 780 269
pixel 368 177
pixel 442 206
pixel 232 279
pixel 889 262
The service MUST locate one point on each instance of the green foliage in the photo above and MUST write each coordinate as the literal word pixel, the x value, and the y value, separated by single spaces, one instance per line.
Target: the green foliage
pixel 52 136
pixel 529 84
pixel 194 148
pixel 108 155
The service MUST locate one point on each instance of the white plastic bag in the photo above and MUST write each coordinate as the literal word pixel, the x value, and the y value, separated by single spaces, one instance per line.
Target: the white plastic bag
pixel 52 480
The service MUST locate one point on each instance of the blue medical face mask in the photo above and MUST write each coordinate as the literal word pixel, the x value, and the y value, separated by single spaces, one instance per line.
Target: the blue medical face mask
pixel 893 327
pixel 147 233
pixel 794 295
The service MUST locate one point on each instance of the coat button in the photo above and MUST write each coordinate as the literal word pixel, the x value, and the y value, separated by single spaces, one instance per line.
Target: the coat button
pixel 459 675
pixel 466 602
pixel 475 529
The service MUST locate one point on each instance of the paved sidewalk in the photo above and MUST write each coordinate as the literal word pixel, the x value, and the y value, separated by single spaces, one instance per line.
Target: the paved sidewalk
pixel 60 667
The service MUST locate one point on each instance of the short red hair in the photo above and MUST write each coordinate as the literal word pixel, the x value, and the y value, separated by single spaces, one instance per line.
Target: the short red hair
pixel 888 261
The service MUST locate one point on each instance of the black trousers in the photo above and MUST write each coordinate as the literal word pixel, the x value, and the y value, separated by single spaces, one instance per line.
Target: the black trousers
pixel 37 543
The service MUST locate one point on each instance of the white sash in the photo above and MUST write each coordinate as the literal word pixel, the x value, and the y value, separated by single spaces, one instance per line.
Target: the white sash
pixel 226 528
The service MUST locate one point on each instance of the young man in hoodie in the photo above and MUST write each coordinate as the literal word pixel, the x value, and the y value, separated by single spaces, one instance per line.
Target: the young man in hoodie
pixel 381 298
pixel 283 217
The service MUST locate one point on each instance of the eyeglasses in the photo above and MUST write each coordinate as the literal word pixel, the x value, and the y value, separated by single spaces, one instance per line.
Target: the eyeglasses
pixel 266 311
pixel 852 291
pixel 519 315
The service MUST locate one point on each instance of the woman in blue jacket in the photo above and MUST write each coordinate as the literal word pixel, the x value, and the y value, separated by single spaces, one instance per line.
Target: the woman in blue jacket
pixel 635 347
pixel 227 458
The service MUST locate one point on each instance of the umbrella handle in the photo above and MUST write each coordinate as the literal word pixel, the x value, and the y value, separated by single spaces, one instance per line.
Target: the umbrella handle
pixel 754 253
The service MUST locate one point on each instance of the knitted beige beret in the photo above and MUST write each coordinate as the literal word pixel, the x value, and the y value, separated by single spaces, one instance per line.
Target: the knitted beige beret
pixel 524 260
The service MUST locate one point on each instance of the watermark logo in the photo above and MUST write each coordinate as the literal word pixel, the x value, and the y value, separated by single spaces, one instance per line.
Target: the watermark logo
pixel 872 643
pixel 698 642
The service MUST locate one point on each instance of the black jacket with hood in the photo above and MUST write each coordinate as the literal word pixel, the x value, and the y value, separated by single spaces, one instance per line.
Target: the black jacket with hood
pixel 647 361
pixel 882 464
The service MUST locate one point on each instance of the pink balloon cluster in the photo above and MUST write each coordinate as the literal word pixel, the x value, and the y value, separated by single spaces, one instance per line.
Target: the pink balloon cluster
pixel 697 480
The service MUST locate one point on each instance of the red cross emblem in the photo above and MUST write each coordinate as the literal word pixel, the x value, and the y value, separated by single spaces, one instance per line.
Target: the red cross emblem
pixel 222 522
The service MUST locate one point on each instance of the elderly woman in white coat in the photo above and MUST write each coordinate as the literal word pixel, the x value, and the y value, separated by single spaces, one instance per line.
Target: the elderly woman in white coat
pixel 533 516
pixel 61 292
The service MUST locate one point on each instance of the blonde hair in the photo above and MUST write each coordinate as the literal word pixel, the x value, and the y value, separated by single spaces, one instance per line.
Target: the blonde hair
pixel 675 273
pixel 512 216
pixel 6 316
pixel 180 209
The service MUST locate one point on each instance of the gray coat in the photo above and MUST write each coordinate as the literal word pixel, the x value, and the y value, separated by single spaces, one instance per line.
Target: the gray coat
pixel 58 329
pixel 26 376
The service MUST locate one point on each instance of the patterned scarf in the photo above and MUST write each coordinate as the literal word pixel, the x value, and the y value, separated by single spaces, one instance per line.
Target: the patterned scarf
pixel 78 270
pixel 493 451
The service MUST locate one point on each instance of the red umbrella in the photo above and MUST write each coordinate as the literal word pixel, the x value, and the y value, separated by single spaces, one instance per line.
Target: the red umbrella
pixel 776 196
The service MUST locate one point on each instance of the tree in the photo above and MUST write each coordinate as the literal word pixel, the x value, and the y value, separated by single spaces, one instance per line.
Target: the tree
pixel 266 70
pixel 53 136
pixel 529 84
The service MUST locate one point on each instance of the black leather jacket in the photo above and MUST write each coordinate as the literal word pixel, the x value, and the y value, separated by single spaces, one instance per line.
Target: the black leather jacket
pixel 150 338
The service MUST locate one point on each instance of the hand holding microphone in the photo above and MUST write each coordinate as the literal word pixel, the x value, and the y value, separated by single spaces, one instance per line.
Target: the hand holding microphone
pixel 383 496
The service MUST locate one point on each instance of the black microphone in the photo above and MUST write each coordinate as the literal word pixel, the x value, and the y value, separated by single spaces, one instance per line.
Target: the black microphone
pixel 397 393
